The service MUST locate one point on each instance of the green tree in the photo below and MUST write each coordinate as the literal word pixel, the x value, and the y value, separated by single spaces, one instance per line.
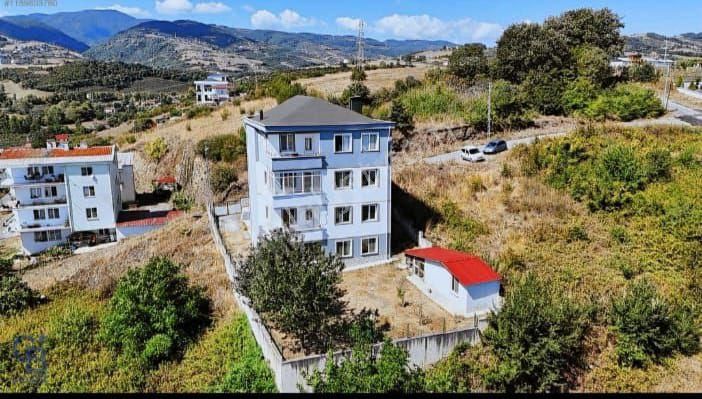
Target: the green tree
pixel 579 94
pixel 356 89
pixel 648 328
pixel 362 371
pixel 537 337
pixel 156 148
pixel 358 74
pixel 402 118
pixel 154 313
pixel 587 26
pixel 543 91
pixel 643 72
pixel 592 63
pixel 222 177
pixel 468 61
pixel 529 48
pixel 294 287
pixel 15 295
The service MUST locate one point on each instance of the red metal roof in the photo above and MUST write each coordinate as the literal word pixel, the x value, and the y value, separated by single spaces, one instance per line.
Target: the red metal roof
pixel 61 137
pixel 166 180
pixel 23 152
pixel 467 268
pixel 145 218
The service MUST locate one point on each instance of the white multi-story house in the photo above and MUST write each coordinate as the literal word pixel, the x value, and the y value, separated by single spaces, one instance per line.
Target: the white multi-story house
pixel 59 190
pixel 322 171
pixel 214 90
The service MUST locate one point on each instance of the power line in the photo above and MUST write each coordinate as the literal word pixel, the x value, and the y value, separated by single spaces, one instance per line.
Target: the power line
pixel 360 51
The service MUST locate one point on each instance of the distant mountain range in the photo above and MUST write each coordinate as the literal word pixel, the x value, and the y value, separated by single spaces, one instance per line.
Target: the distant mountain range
pixel 110 35
pixel 687 44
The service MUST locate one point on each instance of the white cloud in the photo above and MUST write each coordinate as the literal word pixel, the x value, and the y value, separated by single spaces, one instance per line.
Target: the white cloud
pixel 248 8
pixel 133 11
pixel 348 23
pixel 211 8
pixel 173 6
pixel 428 27
pixel 287 19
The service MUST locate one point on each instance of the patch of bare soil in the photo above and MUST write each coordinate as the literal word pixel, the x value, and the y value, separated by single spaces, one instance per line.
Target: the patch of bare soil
pixel 687 376
pixel 186 240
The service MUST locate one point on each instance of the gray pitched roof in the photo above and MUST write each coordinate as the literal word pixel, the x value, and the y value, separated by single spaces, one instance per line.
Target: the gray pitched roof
pixel 311 111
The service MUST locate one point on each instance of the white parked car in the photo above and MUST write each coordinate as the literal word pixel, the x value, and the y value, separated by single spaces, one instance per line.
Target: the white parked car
pixel 472 154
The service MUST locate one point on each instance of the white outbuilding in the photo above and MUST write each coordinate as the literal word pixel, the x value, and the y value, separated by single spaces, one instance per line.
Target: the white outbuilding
pixel 461 283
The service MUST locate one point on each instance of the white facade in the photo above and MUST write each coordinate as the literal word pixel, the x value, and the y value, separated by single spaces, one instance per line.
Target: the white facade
pixel 58 191
pixel 214 90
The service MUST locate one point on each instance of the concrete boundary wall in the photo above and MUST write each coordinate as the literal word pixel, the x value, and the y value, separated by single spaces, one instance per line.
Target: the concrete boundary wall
pixel 290 375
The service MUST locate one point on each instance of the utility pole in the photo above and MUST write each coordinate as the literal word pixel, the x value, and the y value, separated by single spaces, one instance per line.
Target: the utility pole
pixel 666 93
pixel 360 53
pixel 489 115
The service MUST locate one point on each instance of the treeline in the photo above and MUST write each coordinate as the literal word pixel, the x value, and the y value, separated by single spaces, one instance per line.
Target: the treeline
pixel 81 74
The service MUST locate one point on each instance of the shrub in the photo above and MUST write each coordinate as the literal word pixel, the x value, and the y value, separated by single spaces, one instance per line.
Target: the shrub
pixel 431 101
pixel 402 118
pixel 643 72
pixel 198 111
pixel 141 124
pixel 222 177
pixel 154 313
pixel 130 138
pixel 537 337
pixel 659 164
pixel 15 295
pixel 223 147
pixel 75 327
pixel 578 95
pixel 625 103
pixel 648 328
pixel 249 374
pixel 156 149
pixel 577 233
pixel 224 114
pixel 182 201
pixel 619 234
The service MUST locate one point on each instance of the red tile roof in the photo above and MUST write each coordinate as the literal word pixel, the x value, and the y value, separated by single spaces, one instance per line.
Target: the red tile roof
pixel 467 268
pixel 145 218
pixel 22 152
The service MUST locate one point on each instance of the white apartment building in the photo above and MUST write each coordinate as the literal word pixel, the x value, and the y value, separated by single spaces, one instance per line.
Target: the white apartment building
pixel 214 90
pixel 58 190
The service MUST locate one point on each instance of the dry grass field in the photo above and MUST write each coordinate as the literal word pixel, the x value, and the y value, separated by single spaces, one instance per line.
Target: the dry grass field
pixel 335 83
pixel 12 88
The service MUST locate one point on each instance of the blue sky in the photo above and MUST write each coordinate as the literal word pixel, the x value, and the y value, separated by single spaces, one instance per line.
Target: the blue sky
pixel 458 21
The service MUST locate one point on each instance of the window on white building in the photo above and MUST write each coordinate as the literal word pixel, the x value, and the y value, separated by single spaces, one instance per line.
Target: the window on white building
pixel 50 191
pixel 33 171
pixel 54 235
pixel 40 236
pixel 369 178
pixel 369 246
pixel 454 285
pixel 53 213
pixel 89 191
pixel 287 143
pixel 344 248
pixel 343 215
pixel 35 192
pixel 343 143
pixel 91 213
pixel 419 268
pixel 298 182
pixel 86 171
pixel 308 144
pixel 39 214
pixel 370 142
pixel 369 213
pixel 47 170
pixel 289 216
pixel 343 179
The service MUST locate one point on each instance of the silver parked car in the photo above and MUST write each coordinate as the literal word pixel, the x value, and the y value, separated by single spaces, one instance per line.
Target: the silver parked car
pixel 472 154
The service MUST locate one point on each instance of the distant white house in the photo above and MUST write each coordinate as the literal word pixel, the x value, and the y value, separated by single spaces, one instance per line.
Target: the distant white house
pixel 461 283
pixel 636 58
pixel 214 90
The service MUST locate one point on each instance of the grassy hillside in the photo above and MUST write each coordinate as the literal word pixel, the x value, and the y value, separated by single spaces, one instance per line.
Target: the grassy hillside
pixel 551 209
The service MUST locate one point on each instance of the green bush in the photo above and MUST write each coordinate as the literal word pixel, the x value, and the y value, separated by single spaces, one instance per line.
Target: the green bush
pixel 431 101
pixel 249 374
pixel 648 328
pixel 182 201
pixel 156 149
pixel 281 88
pixel 579 94
pixel 643 72
pixel 537 337
pixel 15 295
pixel 75 327
pixel 222 176
pixel 223 147
pixel 659 164
pixel 198 111
pixel 154 313
pixel 624 102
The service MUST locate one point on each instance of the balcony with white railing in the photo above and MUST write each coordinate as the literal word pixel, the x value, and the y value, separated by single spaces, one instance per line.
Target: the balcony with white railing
pixel 45 224
pixel 42 201
pixel 297 160
pixel 301 219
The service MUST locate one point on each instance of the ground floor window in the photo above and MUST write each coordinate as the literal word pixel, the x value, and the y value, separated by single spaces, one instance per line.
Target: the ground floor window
pixel 44 236
pixel 344 248
pixel 91 213
pixel 419 268
pixel 314 245
pixel 369 246
pixel 454 285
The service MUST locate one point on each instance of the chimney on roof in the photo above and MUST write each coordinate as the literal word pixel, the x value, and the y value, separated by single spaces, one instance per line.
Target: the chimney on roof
pixel 260 114
pixel 355 104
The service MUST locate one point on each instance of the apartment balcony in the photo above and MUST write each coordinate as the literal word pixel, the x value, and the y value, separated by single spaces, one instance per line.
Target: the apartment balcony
pixel 43 225
pixel 298 161
pixel 38 180
pixel 39 202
